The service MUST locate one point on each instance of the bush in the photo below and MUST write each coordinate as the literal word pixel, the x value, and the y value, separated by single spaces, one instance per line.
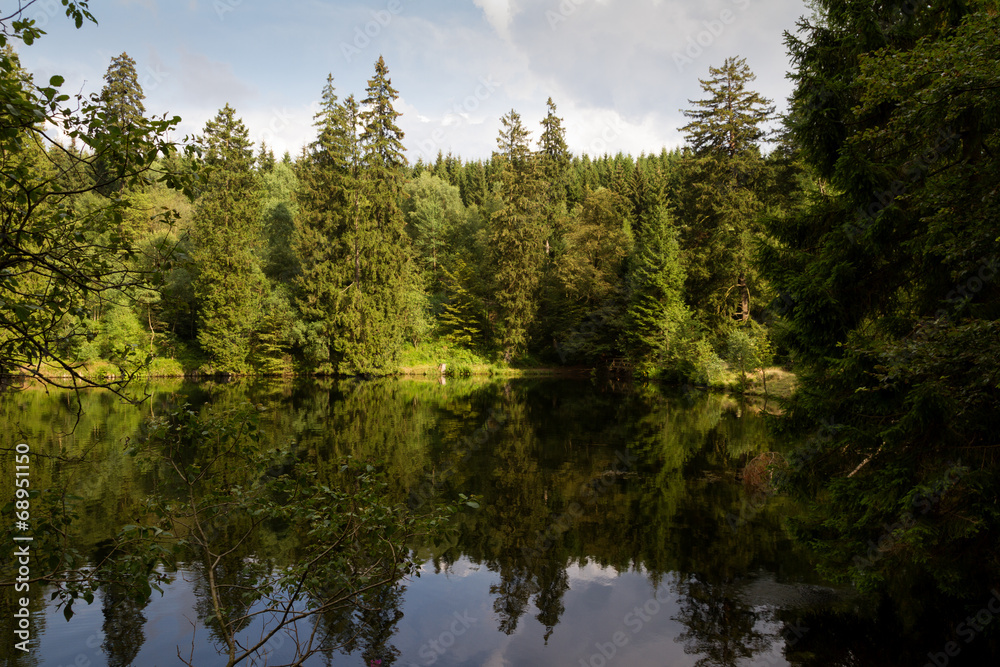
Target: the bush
pixel 748 349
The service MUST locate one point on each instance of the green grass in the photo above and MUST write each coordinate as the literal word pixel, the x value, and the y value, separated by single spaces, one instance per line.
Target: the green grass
pixel 426 358
pixel 780 383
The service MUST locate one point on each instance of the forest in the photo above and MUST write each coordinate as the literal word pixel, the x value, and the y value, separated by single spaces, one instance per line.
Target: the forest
pixel 856 245
pixel 338 260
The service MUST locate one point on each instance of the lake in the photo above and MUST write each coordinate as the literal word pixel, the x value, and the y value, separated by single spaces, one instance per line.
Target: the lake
pixel 614 527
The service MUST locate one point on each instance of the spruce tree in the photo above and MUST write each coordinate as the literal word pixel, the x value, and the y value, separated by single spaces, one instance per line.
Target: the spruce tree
pixel 230 286
pixel 358 286
pixel 329 201
pixel 722 203
pixel 380 305
pixel 517 237
pixel 554 156
pixel 121 98
pixel 891 271
pixel 729 122
pixel 656 310
pixel 586 316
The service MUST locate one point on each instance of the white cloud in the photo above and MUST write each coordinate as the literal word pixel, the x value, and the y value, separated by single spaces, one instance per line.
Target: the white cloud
pixel 500 14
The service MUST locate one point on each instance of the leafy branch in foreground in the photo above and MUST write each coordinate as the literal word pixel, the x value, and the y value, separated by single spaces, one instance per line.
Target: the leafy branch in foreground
pixel 56 256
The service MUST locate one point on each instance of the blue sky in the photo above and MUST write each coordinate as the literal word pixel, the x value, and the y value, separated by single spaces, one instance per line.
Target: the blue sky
pixel 619 71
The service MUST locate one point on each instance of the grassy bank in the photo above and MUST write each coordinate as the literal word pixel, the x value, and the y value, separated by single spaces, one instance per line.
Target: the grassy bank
pixel 425 360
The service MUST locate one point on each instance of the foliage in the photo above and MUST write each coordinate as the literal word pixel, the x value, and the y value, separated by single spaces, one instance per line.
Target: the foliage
pixel 56 257
pixel 720 199
pixel 748 349
pixel 517 236
pixel 230 285
pixel 893 301
pixel 359 290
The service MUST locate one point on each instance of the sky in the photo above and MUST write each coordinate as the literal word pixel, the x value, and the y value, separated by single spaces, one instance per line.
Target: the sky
pixel 618 71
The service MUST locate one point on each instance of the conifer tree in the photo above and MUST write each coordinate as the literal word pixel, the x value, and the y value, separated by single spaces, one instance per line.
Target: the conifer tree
pixel 121 97
pixel 230 286
pixel 894 302
pixel 330 201
pixel 122 94
pixel 554 155
pixel 358 286
pixel 724 134
pixel 517 237
pixel 729 122
pixel 656 309
pixel 379 304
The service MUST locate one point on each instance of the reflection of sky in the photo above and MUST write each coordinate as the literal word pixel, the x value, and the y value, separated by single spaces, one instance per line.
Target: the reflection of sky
pixel 453 608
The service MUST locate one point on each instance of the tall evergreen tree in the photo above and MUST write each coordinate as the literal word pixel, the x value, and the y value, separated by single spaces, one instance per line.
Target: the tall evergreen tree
pixel 381 303
pixel 230 285
pixel 330 205
pixel 729 122
pixel 517 236
pixel 586 317
pixel 121 98
pixel 722 204
pixel 554 155
pixel 656 309
pixel 894 300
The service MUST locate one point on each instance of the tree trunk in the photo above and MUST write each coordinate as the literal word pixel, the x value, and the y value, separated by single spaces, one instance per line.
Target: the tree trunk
pixel 744 312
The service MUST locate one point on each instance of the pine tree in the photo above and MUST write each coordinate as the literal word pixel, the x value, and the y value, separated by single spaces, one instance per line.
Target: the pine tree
pixel 892 275
pixel 381 139
pixel 722 205
pixel 230 285
pixel 379 304
pixel 330 203
pixel 586 317
pixel 554 156
pixel 122 95
pixel 517 237
pixel 265 159
pixel 656 309
pixel 121 99
pixel 357 288
pixel 728 123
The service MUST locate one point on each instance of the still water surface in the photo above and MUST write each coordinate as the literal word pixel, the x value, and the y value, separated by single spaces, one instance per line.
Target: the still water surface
pixel 613 528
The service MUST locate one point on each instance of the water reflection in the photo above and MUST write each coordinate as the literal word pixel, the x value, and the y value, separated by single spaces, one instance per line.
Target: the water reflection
pixel 606 530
